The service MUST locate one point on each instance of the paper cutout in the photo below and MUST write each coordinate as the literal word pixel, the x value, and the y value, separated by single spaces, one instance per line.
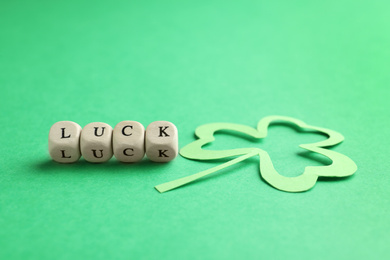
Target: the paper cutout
pixel 341 165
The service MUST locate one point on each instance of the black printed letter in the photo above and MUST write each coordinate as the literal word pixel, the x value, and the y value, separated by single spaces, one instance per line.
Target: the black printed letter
pixel 125 153
pixel 123 130
pixel 63 133
pixel 161 153
pixel 96 128
pixel 162 131
pixel 63 154
pixel 94 153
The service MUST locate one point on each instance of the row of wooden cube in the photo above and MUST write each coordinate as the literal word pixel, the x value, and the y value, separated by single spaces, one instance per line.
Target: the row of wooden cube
pixel 98 142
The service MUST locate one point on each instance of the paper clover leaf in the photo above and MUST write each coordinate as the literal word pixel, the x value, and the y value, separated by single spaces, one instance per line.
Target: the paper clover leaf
pixel 341 165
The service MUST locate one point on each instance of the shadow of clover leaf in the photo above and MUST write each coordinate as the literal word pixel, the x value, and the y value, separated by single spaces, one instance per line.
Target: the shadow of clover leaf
pixel 341 165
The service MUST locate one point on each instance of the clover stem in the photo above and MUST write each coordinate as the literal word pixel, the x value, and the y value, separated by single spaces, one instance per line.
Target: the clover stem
pixel 182 181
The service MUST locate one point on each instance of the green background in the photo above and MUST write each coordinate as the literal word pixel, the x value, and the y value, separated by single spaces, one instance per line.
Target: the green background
pixel 324 62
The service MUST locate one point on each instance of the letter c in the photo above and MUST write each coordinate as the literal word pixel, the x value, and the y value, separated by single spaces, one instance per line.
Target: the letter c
pixel 125 151
pixel 123 130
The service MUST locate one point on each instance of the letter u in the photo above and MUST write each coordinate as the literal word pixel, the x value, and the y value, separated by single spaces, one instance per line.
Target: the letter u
pixel 96 131
pixel 94 153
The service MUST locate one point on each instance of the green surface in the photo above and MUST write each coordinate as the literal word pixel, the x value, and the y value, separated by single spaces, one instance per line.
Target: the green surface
pixel 325 62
